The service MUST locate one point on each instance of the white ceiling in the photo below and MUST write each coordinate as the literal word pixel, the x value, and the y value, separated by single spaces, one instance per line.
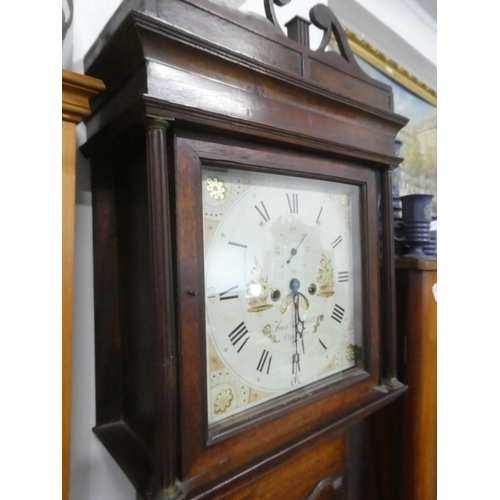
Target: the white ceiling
pixel 430 6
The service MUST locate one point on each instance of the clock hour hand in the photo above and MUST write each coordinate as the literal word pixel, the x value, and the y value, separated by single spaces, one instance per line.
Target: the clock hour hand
pixel 285 303
pixel 294 250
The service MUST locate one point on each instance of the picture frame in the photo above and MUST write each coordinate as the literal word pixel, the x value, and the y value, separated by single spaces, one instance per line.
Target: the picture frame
pixel 415 100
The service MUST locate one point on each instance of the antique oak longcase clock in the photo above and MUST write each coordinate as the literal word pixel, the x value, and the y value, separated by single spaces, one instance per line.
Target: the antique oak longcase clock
pixel 244 279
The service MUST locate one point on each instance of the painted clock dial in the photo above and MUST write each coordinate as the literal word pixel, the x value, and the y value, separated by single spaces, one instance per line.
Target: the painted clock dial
pixel 282 266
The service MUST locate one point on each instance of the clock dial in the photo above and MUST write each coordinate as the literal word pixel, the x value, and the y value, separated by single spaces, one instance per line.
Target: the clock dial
pixel 280 293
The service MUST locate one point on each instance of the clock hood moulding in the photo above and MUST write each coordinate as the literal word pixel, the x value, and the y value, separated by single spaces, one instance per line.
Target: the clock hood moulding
pixel 228 70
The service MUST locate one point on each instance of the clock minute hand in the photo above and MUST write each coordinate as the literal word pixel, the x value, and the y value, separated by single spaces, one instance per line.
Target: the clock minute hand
pixel 294 285
pixel 294 250
pixel 298 324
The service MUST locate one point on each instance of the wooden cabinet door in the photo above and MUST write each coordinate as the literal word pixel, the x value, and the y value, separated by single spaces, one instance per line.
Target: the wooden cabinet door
pixel 319 472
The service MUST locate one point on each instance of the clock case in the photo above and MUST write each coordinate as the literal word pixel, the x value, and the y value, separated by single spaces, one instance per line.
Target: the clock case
pixel 188 84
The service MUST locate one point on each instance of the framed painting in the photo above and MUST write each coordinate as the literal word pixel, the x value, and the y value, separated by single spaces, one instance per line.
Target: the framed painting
pixel 415 100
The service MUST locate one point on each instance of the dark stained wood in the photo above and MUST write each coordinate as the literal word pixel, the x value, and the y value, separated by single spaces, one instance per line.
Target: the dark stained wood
pixel 199 460
pixel 191 83
pixel 298 30
pixel 329 488
pixel 389 341
pixel 135 299
pixel 323 18
pixel 163 292
pixel 132 457
pixel 106 294
pixel 379 438
pixel 321 464
pixel 416 264
pixel 189 239
pixel 164 44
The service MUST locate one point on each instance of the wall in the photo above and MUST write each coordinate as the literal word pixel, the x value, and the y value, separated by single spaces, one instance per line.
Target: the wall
pixel 94 475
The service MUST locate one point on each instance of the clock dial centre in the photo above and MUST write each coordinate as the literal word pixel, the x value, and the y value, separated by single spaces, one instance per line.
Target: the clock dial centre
pixel 294 285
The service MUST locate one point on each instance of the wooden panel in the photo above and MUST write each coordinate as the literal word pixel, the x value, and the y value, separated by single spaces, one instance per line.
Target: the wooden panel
pixel 211 97
pixel 314 473
pixel 406 466
pixel 215 29
pixel 329 488
pixel 76 91
pixel 251 41
pixel 106 316
pixel 68 211
pixel 357 88
pixel 418 320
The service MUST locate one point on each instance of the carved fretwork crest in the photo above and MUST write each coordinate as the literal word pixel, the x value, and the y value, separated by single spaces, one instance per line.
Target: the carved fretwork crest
pixel 323 18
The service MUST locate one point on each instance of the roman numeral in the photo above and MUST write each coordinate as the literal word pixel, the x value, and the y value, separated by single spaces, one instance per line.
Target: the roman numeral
pixel 319 215
pixel 337 242
pixel 223 296
pixel 293 203
pixel 322 345
pixel 236 244
pixel 338 313
pixel 262 212
pixel 343 276
pixel 238 334
pixel 295 363
pixel 262 362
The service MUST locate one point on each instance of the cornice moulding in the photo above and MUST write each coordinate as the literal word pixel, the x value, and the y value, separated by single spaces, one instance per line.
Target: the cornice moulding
pixel 76 92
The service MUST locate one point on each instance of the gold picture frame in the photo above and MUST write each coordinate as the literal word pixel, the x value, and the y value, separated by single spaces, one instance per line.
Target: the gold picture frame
pixel 413 99
pixel 390 67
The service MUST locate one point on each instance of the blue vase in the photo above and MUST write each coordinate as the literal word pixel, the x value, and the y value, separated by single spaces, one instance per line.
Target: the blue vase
pixel 417 216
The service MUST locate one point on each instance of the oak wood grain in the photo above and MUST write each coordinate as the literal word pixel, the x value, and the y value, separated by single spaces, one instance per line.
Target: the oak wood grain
pixel 68 203
pixel 229 90
pixel 315 472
